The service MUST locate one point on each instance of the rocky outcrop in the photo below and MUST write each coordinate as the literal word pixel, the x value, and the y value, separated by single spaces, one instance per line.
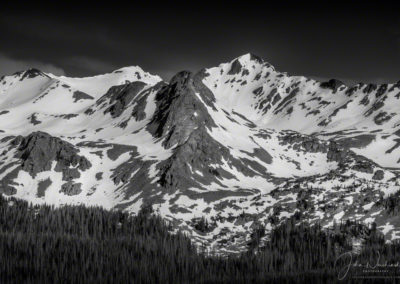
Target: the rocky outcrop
pixel 121 96
pixel 70 188
pixel 202 154
pixel 332 84
pixel 306 143
pixel 310 144
pixel 336 153
pixel 369 88
pixel 78 95
pixel 236 67
pixel 39 150
pixel 363 167
pixel 378 175
pixel 179 111
pixel 138 111
pixel 197 153
pixel 31 73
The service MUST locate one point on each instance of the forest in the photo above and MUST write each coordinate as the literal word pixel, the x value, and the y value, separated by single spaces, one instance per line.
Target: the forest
pixel 77 244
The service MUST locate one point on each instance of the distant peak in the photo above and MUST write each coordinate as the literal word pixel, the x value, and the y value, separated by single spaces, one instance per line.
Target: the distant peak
pixel 251 57
pixel 181 77
pixel 129 69
pixel 138 71
pixel 33 73
pixel 246 61
pixel 29 73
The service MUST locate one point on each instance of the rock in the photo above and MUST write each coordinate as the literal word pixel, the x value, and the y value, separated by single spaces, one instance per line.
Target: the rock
pixel 256 58
pixel 39 150
pixel 336 153
pixel 121 96
pixel 42 187
pixel 236 67
pixel 364 167
pixel 33 119
pixel 68 173
pixel 78 95
pixel 32 73
pixel 205 93
pixel 99 176
pixel 70 188
pixel 378 175
pixel 199 151
pixel 179 111
pixel 369 88
pixel 381 90
pixel 332 84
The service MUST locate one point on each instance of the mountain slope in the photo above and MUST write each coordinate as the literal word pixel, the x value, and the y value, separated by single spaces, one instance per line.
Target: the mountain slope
pixel 240 145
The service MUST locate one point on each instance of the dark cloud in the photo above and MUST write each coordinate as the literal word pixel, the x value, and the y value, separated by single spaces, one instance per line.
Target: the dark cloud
pixel 90 65
pixel 349 40
pixel 9 66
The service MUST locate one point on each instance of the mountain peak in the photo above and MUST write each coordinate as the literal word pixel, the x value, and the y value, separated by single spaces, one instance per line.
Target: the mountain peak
pixel 132 70
pixel 181 77
pixel 29 73
pixel 251 57
pixel 239 144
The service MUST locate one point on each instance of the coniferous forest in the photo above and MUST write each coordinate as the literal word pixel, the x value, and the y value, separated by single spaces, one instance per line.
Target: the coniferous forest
pixel 76 244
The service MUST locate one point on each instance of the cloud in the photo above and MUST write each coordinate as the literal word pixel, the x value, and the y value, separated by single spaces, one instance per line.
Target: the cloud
pixel 10 65
pixel 90 64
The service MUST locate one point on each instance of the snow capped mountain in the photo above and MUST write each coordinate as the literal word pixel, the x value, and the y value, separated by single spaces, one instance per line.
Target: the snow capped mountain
pixel 240 145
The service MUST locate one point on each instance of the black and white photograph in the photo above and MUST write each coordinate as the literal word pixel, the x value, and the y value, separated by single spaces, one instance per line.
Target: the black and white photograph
pixel 184 142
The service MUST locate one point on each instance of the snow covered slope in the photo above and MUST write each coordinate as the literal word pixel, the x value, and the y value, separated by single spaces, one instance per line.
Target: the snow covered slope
pixel 239 145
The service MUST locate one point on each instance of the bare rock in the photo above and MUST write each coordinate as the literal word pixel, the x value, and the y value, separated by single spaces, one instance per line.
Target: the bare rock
pixel 70 188
pixel 39 150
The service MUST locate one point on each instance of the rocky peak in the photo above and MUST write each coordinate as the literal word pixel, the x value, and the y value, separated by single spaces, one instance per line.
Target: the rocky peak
pixel 121 96
pixel 137 73
pixel 180 110
pixel 332 84
pixel 32 73
pixel 249 59
pixel 198 151
pixel 236 67
pixel 39 150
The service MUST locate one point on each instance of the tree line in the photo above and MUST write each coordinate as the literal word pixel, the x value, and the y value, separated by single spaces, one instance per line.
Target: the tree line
pixel 77 244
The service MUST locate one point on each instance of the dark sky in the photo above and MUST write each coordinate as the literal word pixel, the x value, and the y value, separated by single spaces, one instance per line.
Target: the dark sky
pixel 357 42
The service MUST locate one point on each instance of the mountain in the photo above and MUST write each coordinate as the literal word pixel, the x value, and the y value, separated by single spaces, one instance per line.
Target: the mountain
pixel 217 153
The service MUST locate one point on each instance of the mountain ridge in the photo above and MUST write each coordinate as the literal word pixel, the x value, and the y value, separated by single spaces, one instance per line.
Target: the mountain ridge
pixel 239 137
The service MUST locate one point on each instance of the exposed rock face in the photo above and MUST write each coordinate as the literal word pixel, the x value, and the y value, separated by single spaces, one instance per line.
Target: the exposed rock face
pixel 235 68
pixel 138 111
pixel 32 73
pixel 199 151
pixel 240 144
pixel 202 154
pixel 363 165
pixel 121 96
pixel 370 88
pixel 70 188
pixel 312 144
pixel 78 95
pixel 7 183
pixel 308 143
pixel 336 153
pixel 378 175
pixel 39 150
pixel 332 84
pixel 179 111
pixel 42 186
